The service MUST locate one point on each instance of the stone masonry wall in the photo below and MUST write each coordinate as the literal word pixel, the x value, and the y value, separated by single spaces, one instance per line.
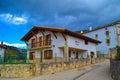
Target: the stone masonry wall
pixel 37 69
pixel 15 70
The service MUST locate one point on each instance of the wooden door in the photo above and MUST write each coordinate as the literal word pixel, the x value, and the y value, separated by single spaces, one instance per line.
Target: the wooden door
pixel 69 53
pixel 77 55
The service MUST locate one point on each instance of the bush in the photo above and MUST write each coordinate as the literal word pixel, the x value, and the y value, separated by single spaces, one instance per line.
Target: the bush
pixel 117 57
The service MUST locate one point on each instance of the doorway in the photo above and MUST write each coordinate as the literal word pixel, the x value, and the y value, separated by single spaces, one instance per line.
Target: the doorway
pixel 92 56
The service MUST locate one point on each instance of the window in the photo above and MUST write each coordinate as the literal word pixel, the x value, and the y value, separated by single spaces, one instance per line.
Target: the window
pixel 96 36
pixel 86 42
pixel 48 54
pixel 33 44
pixel 108 42
pixel 31 56
pixel 107 33
pixel 48 39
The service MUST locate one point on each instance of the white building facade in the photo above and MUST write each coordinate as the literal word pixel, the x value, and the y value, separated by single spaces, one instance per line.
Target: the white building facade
pixel 57 44
pixel 109 35
pixel 2 51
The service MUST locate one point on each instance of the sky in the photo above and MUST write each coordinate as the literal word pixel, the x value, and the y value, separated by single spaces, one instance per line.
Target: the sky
pixel 17 17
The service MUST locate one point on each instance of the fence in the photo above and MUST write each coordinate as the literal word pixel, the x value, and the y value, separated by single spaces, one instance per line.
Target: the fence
pixel 12 59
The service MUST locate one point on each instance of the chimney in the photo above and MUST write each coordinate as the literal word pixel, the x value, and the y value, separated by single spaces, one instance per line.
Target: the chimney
pixel 1 43
pixel 90 28
pixel 81 31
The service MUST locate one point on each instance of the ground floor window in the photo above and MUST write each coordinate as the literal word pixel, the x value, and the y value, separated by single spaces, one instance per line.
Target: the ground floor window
pixel 31 56
pixel 48 54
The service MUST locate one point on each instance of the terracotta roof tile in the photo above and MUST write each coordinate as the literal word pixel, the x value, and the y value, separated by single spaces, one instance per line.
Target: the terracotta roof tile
pixel 36 29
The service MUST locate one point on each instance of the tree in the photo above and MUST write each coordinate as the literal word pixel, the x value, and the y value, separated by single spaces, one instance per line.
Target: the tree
pixel 117 57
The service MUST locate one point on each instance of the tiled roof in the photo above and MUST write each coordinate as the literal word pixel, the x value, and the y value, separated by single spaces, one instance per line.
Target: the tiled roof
pixel 101 27
pixel 36 29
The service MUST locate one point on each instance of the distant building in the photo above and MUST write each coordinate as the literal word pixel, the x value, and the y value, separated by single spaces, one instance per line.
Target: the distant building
pixel 47 44
pixel 109 35
pixel 2 51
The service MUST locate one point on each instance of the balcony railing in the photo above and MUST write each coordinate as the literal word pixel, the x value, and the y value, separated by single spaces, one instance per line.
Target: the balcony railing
pixel 40 44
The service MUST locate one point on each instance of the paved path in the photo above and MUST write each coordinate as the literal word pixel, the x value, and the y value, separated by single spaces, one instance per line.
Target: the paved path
pixel 99 71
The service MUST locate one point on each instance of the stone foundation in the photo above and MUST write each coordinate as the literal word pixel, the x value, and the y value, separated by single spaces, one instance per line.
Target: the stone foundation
pixel 15 70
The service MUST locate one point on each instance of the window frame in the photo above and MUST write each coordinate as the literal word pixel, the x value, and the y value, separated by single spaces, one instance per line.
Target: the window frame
pixel 86 42
pixel 48 52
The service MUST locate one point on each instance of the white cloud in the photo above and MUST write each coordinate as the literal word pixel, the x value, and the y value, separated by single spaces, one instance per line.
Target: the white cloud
pixel 18 20
pixel 7 17
pixel 16 45
pixel 13 19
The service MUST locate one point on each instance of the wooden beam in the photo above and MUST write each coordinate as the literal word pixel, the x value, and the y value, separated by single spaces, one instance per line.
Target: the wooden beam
pixel 54 35
pixel 64 36
pixel 41 32
pixel 34 34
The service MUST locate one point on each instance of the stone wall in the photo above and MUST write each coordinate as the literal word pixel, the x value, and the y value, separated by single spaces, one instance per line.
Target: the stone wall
pixel 37 69
pixel 52 68
pixel 115 69
pixel 15 70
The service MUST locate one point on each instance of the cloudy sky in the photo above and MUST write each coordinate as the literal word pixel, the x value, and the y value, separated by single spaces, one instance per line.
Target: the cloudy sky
pixel 18 16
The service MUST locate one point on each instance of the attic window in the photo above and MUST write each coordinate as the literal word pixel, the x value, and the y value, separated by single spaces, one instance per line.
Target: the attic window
pixel 86 42
pixel 107 32
pixel 96 36
pixel 106 28
pixel 108 42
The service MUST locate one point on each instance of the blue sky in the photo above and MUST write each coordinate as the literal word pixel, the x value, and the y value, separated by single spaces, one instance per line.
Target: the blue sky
pixel 18 16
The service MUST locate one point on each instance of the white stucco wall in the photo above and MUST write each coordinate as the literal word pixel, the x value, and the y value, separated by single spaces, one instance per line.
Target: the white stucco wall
pixel 91 47
pixel 103 47
pixel 59 42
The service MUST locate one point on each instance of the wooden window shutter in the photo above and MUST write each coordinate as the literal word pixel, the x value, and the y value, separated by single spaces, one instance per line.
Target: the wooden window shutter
pixel 40 41
pixel 86 42
pixel 33 43
pixel 108 42
pixel 45 54
pixel 31 56
pixel 51 54
pixel 44 40
pixel 48 54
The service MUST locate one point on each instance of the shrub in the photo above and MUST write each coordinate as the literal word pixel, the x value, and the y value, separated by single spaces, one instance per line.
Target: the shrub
pixel 117 57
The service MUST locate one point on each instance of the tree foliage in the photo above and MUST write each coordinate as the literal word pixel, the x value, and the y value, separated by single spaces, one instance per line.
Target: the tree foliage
pixel 117 57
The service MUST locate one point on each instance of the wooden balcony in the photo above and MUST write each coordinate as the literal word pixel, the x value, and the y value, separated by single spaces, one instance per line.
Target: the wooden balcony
pixel 40 45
